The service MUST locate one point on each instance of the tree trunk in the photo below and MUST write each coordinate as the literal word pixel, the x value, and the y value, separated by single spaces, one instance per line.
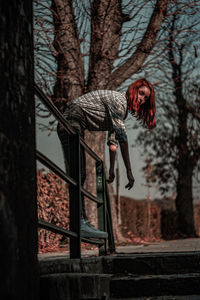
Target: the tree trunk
pixel 18 198
pixel 70 71
pixel 106 25
pixel 184 165
pixel 184 200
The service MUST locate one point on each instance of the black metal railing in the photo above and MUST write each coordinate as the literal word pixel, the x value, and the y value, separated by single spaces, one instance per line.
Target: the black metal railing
pixel 101 199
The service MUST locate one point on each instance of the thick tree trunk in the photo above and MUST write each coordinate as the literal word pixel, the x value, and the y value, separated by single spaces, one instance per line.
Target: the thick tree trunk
pixel 185 167
pixel 184 200
pixel 106 25
pixel 70 71
pixel 18 199
pixel 185 164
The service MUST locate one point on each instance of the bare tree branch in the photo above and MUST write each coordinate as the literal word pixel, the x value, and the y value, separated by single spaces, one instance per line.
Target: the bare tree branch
pixel 134 63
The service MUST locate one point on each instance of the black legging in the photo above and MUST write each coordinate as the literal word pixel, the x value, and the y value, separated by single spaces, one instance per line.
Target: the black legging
pixel 64 139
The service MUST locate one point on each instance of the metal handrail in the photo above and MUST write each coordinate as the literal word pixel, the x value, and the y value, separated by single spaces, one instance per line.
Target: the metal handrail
pixel 51 165
pixel 56 229
pixel 102 198
pixel 52 108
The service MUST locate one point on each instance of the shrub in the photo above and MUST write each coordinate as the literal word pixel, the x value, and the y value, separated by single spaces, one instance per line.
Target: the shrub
pixel 53 207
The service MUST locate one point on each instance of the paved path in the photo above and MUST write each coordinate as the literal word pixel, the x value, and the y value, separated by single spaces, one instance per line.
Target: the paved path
pixel 164 246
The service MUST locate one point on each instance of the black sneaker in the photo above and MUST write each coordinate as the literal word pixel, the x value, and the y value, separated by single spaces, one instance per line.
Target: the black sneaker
pixel 89 231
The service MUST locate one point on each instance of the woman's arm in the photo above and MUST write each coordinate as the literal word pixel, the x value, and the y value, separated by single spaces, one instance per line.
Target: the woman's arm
pixel 126 159
pixel 112 152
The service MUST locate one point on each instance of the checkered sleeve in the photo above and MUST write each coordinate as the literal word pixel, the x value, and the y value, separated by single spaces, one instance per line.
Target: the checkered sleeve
pixel 117 117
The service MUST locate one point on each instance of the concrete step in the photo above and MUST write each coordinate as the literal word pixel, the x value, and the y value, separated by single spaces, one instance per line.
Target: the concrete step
pixel 74 286
pixel 153 263
pixel 138 264
pixel 63 264
pixel 79 286
pixel 169 297
pixel 155 285
pixel 127 276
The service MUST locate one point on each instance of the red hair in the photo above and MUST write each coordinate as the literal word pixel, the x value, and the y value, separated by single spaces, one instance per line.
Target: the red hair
pixel 145 112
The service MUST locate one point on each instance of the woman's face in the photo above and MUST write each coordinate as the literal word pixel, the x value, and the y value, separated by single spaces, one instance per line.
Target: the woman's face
pixel 143 94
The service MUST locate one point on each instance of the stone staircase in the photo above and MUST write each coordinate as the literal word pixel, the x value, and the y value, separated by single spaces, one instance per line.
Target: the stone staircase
pixel 128 276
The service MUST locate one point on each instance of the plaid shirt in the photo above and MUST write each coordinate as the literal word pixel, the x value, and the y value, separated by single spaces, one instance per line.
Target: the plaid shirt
pixel 104 110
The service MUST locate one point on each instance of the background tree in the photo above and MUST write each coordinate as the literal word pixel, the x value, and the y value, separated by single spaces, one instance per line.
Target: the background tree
pixel 174 150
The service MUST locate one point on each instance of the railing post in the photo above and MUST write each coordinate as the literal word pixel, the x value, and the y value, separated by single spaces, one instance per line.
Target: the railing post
pixel 111 242
pixel 75 196
pixel 101 208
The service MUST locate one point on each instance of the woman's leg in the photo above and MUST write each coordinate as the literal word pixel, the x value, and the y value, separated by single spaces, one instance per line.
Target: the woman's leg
pixel 87 230
pixel 65 143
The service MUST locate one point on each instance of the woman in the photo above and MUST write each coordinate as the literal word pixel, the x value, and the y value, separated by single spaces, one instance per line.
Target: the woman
pixel 106 110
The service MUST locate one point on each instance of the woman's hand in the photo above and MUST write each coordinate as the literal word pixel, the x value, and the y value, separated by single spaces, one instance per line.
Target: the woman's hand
pixel 130 179
pixel 111 176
